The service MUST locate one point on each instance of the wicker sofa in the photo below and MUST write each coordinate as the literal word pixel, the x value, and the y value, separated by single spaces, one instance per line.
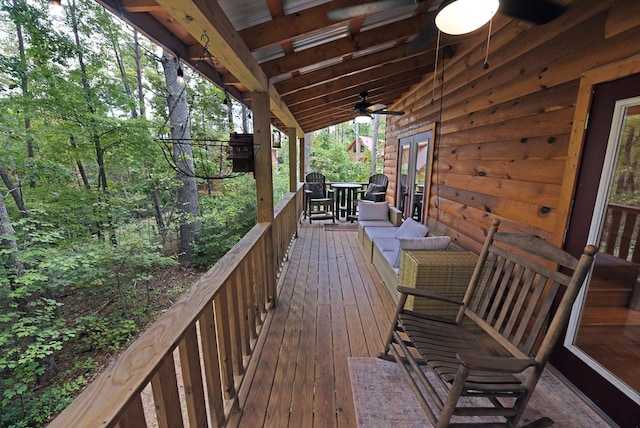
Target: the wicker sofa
pixel 410 256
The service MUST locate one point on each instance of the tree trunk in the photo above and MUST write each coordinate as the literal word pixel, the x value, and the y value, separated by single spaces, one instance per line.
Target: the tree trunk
pixel 7 238
pixel 183 157
pixel 245 119
pixel 307 153
pixel 123 71
pixel 24 83
pixel 81 171
pixel 136 49
pixel 16 194
pixel 358 142
pixel 374 143
pixel 102 175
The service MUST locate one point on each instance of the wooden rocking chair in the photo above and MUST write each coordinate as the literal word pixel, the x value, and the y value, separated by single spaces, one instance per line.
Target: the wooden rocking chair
pixel 488 362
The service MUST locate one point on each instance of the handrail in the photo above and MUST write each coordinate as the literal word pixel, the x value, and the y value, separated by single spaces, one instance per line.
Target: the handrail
pixel 214 327
pixel 621 231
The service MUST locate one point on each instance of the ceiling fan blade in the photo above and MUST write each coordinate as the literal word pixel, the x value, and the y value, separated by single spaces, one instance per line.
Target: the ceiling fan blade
pixel 426 34
pixel 355 11
pixel 535 11
pixel 388 112
pixel 374 108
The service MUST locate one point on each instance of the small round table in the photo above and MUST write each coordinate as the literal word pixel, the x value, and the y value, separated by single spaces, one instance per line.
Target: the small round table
pixel 345 195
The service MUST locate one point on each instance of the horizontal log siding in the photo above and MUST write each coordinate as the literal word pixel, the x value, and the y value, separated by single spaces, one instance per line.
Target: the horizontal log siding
pixel 503 134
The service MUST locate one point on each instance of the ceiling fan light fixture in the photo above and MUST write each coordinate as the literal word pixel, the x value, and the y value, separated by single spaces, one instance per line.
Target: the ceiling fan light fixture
pixel 464 16
pixel 363 118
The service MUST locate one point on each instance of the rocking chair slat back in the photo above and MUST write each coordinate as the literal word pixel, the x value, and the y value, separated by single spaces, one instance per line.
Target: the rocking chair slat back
pixel 513 312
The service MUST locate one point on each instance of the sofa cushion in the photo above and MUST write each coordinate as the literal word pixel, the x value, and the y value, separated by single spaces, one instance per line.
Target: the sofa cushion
pixel 368 210
pixel 375 223
pixel 425 243
pixel 380 232
pixel 388 256
pixel 386 244
pixel 411 229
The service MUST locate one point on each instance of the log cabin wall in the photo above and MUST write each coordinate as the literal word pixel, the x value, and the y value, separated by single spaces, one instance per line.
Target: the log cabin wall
pixel 503 134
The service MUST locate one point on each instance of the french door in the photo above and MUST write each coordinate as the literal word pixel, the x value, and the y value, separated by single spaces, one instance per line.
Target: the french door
pixel 414 167
pixel 601 350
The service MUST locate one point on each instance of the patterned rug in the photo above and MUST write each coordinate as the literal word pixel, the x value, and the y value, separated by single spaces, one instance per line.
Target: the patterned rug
pixel 382 398
pixel 341 227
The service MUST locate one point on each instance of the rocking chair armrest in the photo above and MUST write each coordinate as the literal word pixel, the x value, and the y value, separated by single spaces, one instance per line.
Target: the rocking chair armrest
pixel 495 364
pixel 426 294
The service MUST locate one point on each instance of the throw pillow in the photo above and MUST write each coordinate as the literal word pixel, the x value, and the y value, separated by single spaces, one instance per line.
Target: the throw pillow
pixel 411 229
pixel 426 243
pixel 373 210
pixel 372 191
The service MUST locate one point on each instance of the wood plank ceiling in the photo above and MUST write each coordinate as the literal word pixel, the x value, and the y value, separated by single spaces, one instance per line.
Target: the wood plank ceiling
pixel 313 68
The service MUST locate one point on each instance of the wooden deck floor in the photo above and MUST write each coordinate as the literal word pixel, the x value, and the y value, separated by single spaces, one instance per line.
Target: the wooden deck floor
pixel 332 305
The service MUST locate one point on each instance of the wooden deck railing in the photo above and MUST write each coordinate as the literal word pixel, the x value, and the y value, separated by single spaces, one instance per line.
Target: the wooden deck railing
pixel 620 232
pixel 214 327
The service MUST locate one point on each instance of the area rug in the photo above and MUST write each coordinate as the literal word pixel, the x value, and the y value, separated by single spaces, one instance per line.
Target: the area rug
pixel 341 227
pixel 382 398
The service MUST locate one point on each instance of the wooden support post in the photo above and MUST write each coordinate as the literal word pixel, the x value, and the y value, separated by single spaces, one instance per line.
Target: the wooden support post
pixel 262 171
pixel 293 161
pixel 302 158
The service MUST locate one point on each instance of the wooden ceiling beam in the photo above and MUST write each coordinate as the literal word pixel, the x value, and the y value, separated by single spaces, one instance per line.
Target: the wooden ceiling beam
pixel 336 115
pixel 389 71
pixel 378 92
pixel 346 106
pixel 338 48
pixel 288 27
pixel 394 54
pixel 140 5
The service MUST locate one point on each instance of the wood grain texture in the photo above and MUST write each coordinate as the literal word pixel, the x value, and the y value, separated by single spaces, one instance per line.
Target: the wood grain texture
pixel 508 139
pixel 331 305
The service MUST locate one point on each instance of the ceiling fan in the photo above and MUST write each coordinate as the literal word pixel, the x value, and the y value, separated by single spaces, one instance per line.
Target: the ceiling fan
pixel 364 109
pixel 535 11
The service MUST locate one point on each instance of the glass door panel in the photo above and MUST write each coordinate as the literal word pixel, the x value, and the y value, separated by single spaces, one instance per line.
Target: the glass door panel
pixel 403 175
pixel 414 166
pixel 604 329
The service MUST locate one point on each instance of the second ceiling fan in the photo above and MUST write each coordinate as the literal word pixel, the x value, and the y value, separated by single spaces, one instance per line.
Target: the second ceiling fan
pixel 364 109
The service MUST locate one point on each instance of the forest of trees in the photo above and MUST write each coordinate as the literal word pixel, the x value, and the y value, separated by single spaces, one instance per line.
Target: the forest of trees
pixel 105 141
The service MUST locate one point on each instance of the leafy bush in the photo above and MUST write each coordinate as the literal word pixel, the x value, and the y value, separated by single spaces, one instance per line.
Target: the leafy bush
pixel 33 326
pixel 226 218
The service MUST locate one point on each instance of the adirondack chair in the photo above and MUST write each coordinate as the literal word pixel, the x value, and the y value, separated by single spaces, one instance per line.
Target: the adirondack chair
pixel 376 191
pixel 376 188
pixel 486 364
pixel 319 201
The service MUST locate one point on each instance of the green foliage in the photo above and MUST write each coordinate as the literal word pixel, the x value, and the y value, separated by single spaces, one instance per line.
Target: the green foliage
pixel 106 333
pixel 39 410
pixel 33 327
pixel 329 156
pixel 78 281
pixel 226 218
